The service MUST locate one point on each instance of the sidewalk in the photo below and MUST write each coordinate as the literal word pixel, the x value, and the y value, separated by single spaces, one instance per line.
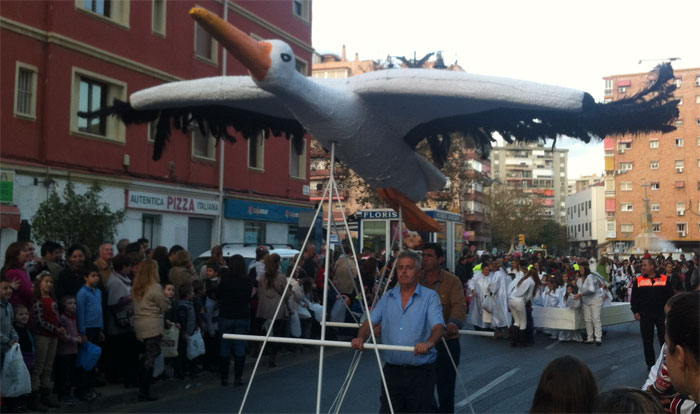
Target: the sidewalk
pixel 114 395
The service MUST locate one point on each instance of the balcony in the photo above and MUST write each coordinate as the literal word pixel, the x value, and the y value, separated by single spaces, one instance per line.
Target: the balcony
pixel 474 216
pixel 440 195
pixel 320 174
pixel 315 195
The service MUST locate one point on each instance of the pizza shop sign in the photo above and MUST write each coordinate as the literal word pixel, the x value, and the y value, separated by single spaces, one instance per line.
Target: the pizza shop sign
pixel 171 203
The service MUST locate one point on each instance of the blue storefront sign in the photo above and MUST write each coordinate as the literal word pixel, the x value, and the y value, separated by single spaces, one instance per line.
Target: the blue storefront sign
pixel 253 210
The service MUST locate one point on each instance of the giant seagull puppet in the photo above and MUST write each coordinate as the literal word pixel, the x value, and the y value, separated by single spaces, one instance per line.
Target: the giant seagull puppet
pixel 377 119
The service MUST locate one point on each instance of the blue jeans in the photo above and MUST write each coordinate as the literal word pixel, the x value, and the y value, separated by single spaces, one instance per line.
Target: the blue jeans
pixel 233 326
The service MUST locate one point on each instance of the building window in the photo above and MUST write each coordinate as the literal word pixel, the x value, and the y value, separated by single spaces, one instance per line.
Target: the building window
pixel 158 19
pixel 679 166
pixel 680 208
pixel 608 87
pixel 297 162
pixel 622 89
pixel 152 131
pixel 25 90
pixel 655 207
pixel 150 228
pixel 697 80
pixel 655 185
pixel 654 143
pixel 656 227
pixel 654 165
pixel 203 146
pixel 680 142
pixel 625 166
pixel 116 11
pixel 680 101
pixel 626 206
pixel 300 8
pixel 254 232
pixel 301 66
pixel 697 99
pixel 627 228
pixel 682 229
pixel 678 123
pixel 256 151
pixel 626 186
pixel 680 184
pixel 205 47
pixel 678 82
pixel 91 92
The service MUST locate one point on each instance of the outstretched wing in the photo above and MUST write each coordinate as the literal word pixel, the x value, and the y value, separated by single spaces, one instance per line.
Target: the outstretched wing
pixel 213 104
pixel 433 105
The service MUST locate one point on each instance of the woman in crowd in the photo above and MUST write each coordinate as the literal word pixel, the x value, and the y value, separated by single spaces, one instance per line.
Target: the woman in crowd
pixel 160 255
pixel 182 271
pixel 566 386
pixel 521 291
pixel 683 348
pixel 591 294
pixel 150 304
pixel 217 256
pixel 270 292
pixel 233 294
pixel 70 280
pixel 16 256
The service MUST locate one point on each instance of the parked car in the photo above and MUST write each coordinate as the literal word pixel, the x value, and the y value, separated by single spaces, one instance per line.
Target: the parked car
pixel 248 253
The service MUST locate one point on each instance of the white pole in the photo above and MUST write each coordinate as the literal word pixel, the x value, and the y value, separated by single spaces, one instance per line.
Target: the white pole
pixel 319 342
pixel 222 142
pixel 344 324
pixel 475 333
pixel 326 271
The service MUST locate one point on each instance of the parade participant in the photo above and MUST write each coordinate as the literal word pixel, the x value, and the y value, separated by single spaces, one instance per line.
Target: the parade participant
pixel 591 294
pixel 454 311
pixel 682 347
pixel 569 301
pixel 500 319
pixel 479 288
pixel 521 291
pixel 410 314
pixel 650 291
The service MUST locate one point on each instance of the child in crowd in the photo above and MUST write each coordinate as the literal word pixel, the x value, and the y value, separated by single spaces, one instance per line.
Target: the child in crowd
pixel 48 329
pixel 90 325
pixel 575 304
pixel 186 318
pixel 66 373
pixel 198 301
pixel 9 336
pixel 211 316
pixel 26 345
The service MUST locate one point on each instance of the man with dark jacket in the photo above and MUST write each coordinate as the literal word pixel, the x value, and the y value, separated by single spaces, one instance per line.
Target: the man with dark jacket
pixel 650 292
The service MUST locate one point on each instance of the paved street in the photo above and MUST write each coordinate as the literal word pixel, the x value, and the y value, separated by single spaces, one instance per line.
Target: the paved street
pixel 497 378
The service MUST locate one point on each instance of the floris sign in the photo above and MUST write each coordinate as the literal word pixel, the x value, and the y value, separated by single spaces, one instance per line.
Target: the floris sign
pixel 7 183
pixel 171 203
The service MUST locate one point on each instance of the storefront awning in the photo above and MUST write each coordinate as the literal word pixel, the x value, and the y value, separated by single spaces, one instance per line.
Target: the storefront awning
pixel 9 217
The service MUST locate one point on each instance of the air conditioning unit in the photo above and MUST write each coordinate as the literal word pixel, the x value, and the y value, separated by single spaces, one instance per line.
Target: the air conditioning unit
pixel 682 234
pixel 680 213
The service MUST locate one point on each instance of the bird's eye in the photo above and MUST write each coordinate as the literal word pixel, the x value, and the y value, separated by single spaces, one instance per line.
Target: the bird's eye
pixel 285 57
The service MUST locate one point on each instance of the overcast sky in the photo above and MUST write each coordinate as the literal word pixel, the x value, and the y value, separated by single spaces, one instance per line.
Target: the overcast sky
pixel 567 43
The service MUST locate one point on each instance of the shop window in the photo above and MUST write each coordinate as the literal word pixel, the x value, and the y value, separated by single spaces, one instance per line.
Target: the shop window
pixel 205 47
pixel 292 231
pixel 150 228
pixel 256 151
pixel 91 92
pixel 254 232
pixel 25 90
pixel 158 18
pixel 297 162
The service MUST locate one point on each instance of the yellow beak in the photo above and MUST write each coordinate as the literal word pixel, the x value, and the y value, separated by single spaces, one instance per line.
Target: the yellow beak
pixel 253 54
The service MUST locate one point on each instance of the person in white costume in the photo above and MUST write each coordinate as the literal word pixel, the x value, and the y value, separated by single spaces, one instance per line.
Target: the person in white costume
pixel 479 289
pixel 499 295
pixel 521 291
pixel 592 295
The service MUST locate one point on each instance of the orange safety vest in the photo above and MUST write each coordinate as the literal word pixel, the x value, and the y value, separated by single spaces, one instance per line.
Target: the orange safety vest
pixel 649 282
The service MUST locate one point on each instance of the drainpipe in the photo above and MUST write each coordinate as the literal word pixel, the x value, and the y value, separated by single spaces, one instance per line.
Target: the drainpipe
pixel 222 143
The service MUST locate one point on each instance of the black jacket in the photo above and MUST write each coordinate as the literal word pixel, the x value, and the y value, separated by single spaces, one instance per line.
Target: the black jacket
pixel 649 295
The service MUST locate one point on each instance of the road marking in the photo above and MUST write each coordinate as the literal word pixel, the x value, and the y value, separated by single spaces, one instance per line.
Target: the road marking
pixel 552 345
pixel 487 388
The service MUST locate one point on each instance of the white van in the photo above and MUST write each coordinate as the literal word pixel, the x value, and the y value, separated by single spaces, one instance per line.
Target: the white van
pixel 248 253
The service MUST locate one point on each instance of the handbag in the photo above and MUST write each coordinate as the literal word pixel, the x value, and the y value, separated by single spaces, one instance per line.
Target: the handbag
pixel 15 375
pixel 487 304
pixel 88 355
pixel 195 345
pixel 168 344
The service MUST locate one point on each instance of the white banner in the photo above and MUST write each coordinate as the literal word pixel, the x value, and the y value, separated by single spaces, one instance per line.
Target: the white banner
pixel 171 203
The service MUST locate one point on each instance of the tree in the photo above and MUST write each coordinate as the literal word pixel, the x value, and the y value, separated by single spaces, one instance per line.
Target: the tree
pixel 513 212
pixel 76 218
pixel 553 235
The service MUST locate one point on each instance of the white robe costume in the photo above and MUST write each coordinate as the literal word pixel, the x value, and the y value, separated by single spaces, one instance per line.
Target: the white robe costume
pixel 499 291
